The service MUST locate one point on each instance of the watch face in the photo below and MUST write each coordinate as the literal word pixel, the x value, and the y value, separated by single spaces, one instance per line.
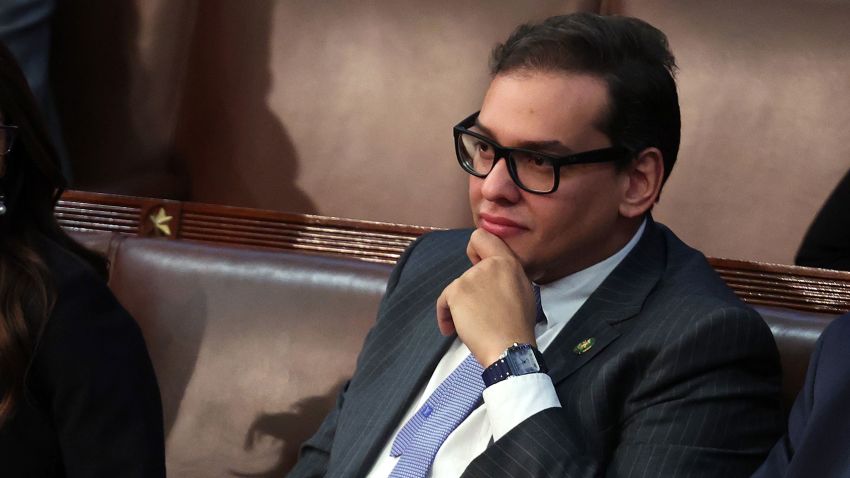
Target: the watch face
pixel 521 360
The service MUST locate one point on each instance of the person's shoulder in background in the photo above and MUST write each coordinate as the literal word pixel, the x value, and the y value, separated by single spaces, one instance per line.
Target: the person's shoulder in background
pixel 819 424
pixel 827 242
pixel 92 373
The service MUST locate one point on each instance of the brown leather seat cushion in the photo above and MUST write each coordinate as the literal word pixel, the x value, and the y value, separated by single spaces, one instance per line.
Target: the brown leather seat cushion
pixel 103 243
pixel 795 333
pixel 250 347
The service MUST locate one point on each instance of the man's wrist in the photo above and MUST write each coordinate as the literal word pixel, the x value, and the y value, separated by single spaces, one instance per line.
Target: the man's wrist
pixel 518 359
pixel 495 352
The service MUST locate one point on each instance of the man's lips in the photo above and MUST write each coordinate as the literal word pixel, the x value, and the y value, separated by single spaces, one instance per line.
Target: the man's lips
pixel 499 226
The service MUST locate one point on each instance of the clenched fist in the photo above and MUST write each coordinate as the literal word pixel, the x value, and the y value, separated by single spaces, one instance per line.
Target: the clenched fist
pixel 491 305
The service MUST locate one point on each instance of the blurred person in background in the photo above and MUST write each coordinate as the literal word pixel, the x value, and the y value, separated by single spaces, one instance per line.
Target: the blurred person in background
pixel 78 395
pixel 827 242
pixel 26 29
pixel 818 433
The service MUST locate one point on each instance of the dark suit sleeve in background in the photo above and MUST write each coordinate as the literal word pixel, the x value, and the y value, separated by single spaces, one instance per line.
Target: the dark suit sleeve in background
pixel 827 242
pixel 818 435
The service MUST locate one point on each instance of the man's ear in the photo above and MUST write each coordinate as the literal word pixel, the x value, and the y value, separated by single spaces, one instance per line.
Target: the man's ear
pixel 641 181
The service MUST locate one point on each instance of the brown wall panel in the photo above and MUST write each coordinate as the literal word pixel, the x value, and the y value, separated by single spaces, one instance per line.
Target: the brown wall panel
pixel 117 74
pixel 765 95
pixel 345 108
pixel 340 108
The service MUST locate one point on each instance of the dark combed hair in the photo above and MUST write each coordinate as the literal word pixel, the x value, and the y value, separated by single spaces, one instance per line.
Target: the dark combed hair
pixel 32 183
pixel 631 56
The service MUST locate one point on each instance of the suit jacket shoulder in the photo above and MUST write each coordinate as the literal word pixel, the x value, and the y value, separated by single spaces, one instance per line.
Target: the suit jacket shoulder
pixel 436 254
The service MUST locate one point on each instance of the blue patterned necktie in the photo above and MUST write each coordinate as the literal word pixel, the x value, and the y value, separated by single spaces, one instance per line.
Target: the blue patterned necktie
pixel 422 436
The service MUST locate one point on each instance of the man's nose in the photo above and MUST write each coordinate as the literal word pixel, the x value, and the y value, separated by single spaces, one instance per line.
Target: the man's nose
pixel 498 185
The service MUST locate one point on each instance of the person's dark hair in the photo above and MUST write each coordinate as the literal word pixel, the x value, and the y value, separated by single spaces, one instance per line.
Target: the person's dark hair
pixel 31 181
pixel 630 55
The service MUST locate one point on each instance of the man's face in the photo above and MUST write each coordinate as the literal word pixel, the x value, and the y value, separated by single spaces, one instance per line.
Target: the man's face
pixel 579 224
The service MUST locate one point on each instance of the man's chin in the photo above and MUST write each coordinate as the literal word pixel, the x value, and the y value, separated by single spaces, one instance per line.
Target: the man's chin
pixel 521 253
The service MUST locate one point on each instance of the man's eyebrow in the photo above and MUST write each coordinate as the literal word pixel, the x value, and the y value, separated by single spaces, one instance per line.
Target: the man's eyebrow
pixel 542 146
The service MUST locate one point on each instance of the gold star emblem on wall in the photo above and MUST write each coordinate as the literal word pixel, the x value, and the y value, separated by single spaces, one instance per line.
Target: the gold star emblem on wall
pixel 160 222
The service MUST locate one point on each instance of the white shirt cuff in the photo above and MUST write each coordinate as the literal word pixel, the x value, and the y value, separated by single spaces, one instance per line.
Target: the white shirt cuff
pixel 515 399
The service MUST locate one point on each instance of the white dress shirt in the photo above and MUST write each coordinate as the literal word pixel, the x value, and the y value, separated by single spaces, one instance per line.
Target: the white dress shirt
pixel 509 402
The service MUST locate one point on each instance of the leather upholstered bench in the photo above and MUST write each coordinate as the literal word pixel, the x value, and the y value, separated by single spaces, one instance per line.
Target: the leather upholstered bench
pixel 251 345
pixel 795 333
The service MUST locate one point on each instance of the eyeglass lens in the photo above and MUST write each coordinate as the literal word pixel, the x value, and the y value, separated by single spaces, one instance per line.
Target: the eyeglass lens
pixel 532 171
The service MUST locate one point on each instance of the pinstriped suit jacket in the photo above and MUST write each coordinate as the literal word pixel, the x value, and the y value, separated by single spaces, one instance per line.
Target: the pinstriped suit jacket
pixel 682 381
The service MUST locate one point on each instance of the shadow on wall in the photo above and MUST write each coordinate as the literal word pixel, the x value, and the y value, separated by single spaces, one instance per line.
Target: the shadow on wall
pixel 100 86
pixel 227 133
pixel 292 428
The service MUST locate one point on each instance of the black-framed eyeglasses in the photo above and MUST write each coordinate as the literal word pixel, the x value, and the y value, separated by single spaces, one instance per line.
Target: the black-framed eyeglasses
pixel 7 138
pixel 532 171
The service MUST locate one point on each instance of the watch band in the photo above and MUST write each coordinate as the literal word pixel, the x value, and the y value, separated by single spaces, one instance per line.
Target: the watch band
pixel 518 359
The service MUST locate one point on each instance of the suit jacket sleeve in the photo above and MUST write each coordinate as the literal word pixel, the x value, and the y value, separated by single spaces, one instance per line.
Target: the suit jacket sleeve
pixel 779 459
pixel 827 242
pixel 92 371
pixel 704 403
pixel 315 453
pixel 819 423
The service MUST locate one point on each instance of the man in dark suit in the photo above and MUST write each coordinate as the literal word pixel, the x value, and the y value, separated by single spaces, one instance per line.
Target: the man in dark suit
pixel 649 367
pixel 818 435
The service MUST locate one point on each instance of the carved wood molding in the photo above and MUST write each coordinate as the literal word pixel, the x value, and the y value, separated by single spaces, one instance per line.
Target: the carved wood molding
pixel 802 288
pixel 779 285
pixel 236 226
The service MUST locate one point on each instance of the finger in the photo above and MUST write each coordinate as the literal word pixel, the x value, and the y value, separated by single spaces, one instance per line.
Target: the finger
pixel 444 313
pixel 483 244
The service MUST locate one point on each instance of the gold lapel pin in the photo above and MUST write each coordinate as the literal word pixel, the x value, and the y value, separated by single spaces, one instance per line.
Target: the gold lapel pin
pixel 584 346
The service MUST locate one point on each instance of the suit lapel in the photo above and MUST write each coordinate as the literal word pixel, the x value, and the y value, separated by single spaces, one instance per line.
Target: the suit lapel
pixel 620 297
pixel 406 378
